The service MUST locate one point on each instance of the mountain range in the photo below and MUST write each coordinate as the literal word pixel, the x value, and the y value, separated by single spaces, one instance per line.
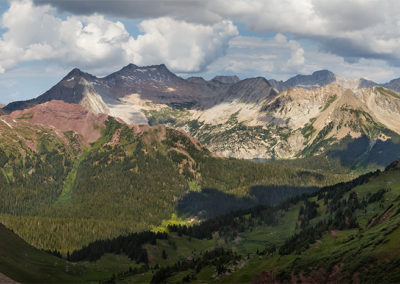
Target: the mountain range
pixel 134 177
pixel 254 118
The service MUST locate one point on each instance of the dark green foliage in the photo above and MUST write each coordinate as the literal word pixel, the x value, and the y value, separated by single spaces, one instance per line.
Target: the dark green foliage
pixel 33 182
pixel 377 196
pixel 381 272
pixel 218 258
pixel 111 126
pixel 125 274
pixel 3 158
pixel 131 245
pixel 301 241
pixel 229 224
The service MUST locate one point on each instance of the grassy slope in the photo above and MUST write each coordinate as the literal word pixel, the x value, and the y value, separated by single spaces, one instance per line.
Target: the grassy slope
pixel 23 263
pixel 353 249
pixel 367 253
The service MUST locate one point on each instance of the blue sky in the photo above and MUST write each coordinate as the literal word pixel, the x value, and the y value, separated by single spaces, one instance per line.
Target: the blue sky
pixel 42 40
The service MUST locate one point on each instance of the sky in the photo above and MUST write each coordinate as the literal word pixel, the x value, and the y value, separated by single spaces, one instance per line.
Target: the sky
pixel 42 40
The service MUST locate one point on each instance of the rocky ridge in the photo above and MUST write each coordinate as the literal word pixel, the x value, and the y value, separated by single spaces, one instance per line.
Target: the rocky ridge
pixel 241 118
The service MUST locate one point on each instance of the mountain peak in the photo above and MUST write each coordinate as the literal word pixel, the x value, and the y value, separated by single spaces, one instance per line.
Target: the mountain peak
pixel 132 68
pixel 76 72
pixel 226 79
pixel 196 79
pixel 323 72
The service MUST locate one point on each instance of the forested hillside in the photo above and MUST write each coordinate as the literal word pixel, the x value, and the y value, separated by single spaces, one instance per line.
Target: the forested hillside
pixel 61 192
pixel 342 233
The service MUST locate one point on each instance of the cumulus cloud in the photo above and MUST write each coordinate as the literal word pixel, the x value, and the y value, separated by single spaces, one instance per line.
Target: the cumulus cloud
pixel 351 29
pixel 193 10
pixel 276 55
pixel 36 33
pixel 184 47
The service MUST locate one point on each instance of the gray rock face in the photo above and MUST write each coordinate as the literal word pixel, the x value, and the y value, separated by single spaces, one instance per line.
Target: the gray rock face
pixel 252 90
pixel 366 83
pixel 226 79
pixel 315 80
pixel 393 85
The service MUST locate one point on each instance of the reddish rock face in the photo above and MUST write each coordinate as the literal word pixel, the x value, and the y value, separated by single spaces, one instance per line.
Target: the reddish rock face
pixel 65 117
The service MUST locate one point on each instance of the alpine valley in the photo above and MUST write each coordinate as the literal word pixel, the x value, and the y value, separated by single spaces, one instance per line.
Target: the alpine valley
pixel 143 176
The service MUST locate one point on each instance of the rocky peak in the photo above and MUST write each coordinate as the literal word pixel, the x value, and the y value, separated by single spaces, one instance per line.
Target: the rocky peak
pixel 323 74
pixel 139 74
pixel 226 79
pixel 316 79
pixel 77 73
pixel 196 80
pixel 250 90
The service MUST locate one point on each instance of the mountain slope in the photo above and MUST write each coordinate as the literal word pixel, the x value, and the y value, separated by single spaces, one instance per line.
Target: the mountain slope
pixel 36 267
pixel 295 122
pixel 343 233
pixel 86 170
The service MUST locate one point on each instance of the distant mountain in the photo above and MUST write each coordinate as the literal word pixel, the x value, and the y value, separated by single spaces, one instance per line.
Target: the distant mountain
pixel 243 118
pixel 315 80
pixel 319 79
pixel 393 85
pixel 226 79
pixel 115 93
pixel 364 83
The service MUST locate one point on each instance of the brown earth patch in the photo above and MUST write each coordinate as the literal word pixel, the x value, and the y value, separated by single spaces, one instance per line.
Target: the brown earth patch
pixel 64 117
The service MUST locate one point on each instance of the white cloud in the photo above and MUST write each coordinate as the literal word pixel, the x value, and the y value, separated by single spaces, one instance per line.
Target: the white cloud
pixel 182 46
pixel 352 29
pixel 93 42
pixel 247 56
pixel 280 58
